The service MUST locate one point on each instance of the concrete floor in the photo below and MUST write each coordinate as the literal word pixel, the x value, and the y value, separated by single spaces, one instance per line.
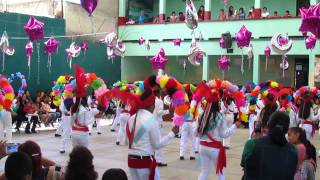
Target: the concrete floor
pixel 108 155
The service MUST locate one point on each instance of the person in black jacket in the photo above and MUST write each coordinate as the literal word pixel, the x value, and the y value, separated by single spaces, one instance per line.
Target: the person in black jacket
pixel 271 157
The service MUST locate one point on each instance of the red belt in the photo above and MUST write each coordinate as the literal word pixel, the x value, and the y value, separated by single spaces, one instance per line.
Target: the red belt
pixel 77 127
pixel 222 159
pixel 143 162
pixel 313 127
pixel 67 114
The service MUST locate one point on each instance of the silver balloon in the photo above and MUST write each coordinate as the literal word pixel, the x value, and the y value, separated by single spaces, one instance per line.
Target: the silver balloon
pixel 196 53
pixel 4 44
pixel 191 15
pixel 281 44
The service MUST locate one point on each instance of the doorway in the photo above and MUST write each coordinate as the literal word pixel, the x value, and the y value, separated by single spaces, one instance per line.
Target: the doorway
pixel 301 72
pixel 300 4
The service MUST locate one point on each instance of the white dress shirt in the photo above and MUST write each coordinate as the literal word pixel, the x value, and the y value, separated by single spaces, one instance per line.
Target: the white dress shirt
pixel 159 111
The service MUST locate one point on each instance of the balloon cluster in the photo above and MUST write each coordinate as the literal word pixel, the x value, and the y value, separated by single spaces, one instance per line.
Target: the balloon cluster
pixel 7 95
pixel 115 47
pixel 22 78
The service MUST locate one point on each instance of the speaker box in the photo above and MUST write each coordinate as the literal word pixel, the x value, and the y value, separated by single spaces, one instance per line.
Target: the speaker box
pixel 227 40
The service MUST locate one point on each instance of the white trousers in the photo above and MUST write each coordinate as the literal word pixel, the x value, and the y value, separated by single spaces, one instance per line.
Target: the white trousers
pixel 143 174
pixel 66 135
pixel 121 132
pixel 209 157
pixel 229 118
pixel 6 126
pixel 159 152
pixel 115 122
pixel 60 129
pixel 80 138
pixel 187 133
pixel 98 125
pixel 308 129
pixel 252 119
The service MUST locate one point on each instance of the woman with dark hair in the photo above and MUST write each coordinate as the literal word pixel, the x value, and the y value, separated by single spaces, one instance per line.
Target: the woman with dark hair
pixel 201 13
pixel 115 174
pixel 81 119
pixel 232 13
pixel 271 156
pixel 80 165
pixel 306 117
pixel 41 167
pixel 21 115
pixel 212 129
pixel 270 106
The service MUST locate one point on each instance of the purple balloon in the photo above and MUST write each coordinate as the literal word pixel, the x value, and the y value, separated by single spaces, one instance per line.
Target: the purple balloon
pixel 224 63
pixel 222 43
pixel 51 46
pixel 310 42
pixel 243 37
pixel 311 20
pixel 176 42
pixel 29 48
pixel 34 28
pixel 89 5
pixel 159 60
pixel 84 46
pixel 267 51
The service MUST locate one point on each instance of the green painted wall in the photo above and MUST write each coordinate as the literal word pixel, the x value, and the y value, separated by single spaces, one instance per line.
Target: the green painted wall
pixel 94 60
pixel 179 5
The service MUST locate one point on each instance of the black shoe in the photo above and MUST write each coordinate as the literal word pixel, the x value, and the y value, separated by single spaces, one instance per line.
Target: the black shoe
pixel 89 134
pixel 197 152
pixel 112 130
pixel 181 158
pixel 99 133
pixel 162 164
pixel 62 152
pixel 57 135
pixel 192 158
pixel 226 147
pixel 178 136
pixel 28 132
pixel 18 130
pixel 34 131
pixel 117 143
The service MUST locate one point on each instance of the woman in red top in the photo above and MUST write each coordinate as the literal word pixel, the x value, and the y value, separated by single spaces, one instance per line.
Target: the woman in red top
pixel 201 13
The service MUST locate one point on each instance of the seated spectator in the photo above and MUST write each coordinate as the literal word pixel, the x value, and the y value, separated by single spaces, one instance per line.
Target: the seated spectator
pixel 31 111
pixel 18 166
pixel 141 17
pixel 201 13
pixel 265 13
pixel 80 165
pixel 182 18
pixel 168 19
pixel 222 16
pixel 156 20
pixel 275 14
pixel 287 14
pixel 232 14
pixel 130 21
pixel 115 174
pixel 241 15
pixel 251 13
pixel 41 166
pixel 48 115
pixel 173 17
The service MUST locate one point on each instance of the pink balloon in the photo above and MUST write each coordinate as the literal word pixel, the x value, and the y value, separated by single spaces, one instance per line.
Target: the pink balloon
pixel 51 46
pixel 310 42
pixel 159 60
pixel 89 5
pixel 267 51
pixel 34 28
pixel 29 48
pixel 222 43
pixel 311 20
pixel 243 37
pixel 141 41
pixel 176 42
pixel 84 46
pixel 224 63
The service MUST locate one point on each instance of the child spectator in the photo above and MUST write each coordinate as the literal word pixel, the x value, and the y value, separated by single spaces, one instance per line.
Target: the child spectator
pixel 222 15
pixel 173 17
pixel 156 20
pixel 141 18
pixel 181 17
pixel 201 13
pixel 241 14
pixel 168 19
pixel 275 14
pixel 251 13
pixel 265 13
pixel 287 14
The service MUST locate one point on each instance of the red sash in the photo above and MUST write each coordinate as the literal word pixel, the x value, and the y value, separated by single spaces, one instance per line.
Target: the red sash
pixel 222 158
pixel 149 163
pixel 78 127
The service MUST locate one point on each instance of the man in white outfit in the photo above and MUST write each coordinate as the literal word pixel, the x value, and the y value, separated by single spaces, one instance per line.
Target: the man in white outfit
pixel 228 109
pixel 123 118
pixel 6 126
pixel 65 125
pixel 115 121
pixel 159 112
pixel 144 138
